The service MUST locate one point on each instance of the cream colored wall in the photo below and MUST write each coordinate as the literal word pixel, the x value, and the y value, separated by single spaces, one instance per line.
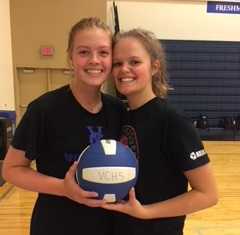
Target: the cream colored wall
pixel 6 67
pixel 177 20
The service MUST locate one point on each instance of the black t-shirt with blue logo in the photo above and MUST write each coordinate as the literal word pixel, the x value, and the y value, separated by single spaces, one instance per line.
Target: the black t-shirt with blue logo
pixel 54 131
pixel 166 144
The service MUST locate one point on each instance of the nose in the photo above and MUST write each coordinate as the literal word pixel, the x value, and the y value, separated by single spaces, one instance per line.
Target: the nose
pixel 124 67
pixel 94 58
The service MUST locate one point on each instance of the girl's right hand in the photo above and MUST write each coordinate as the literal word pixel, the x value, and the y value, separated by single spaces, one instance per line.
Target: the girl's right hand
pixel 73 191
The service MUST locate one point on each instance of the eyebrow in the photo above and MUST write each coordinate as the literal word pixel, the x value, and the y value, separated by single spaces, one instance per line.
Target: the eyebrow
pixel 131 57
pixel 87 47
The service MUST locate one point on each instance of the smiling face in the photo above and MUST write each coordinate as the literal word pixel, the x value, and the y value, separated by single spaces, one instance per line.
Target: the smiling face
pixel 132 69
pixel 91 56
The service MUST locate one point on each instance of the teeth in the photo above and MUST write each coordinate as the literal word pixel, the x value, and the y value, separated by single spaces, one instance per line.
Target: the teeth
pixel 126 79
pixel 94 71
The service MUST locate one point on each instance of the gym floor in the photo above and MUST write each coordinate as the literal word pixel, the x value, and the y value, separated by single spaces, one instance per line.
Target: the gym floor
pixel 223 219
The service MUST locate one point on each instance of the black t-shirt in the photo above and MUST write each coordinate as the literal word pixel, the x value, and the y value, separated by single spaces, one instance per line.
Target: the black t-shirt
pixel 166 144
pixel 54 131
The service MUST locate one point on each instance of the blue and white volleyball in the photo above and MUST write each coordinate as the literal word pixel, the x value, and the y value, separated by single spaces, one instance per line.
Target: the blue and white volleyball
pixel 108 168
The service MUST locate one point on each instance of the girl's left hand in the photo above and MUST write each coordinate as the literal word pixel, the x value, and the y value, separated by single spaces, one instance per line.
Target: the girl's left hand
pixel 131 207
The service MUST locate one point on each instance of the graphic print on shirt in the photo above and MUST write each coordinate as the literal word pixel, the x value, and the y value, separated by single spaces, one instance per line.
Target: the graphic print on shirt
pixel 129 137
pixel 94 134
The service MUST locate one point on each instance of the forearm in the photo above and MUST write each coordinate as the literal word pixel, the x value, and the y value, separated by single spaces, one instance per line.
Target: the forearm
pixel 29 179
pixel 184 204
pixel 16 169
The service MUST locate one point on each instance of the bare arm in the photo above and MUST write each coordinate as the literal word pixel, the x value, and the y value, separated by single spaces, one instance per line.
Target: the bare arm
pixel 202 195
pixel 17 170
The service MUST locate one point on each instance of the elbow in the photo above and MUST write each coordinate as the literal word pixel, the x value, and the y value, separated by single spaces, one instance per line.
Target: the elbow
pixel 213 199
pixel 4 173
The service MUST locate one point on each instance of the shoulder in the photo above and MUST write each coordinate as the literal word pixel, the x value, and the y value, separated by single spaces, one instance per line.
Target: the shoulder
pixel 49 99
pixel 113 102
pixel 160 109
pixel 181 129
pixel 177 118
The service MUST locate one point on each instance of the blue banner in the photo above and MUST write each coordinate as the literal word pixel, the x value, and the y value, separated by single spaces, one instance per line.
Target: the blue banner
pixel 10 115
pixel 223 7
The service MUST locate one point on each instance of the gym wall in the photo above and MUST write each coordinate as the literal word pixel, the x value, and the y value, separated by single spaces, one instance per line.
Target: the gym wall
pixel 47 23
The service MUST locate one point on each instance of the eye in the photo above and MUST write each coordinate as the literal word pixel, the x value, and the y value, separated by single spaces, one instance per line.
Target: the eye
pixel 104 53
pixel 134 62
pixel 116 64
pixel 83 52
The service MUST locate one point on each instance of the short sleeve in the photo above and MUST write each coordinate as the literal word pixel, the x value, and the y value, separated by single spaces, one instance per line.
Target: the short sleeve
pixel 184 144
pixel 29 133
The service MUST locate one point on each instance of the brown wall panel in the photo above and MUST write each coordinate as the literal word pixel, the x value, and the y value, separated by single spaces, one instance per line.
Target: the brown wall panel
pixel 36 23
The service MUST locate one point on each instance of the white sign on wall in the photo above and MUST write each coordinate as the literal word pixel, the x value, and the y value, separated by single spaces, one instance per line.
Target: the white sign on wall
pixel 176 20
pixel 6 65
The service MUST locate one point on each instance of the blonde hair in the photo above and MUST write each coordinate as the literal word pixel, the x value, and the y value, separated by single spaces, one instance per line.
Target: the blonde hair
pixel 83 24
pixel 156 52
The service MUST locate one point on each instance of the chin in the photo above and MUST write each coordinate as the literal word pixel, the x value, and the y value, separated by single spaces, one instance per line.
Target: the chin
pixel 97 82
pixel 125 92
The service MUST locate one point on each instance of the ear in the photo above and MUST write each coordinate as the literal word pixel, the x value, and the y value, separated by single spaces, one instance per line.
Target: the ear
pixel 70 63
pixel 155 67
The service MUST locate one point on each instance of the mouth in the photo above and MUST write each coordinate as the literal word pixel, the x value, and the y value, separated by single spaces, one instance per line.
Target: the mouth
pixel 94 71
pixel 125 79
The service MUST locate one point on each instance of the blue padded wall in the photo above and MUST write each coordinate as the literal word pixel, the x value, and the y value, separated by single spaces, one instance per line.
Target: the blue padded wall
pixel 205 76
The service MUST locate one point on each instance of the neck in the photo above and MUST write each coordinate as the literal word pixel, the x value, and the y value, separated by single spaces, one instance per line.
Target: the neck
pixel 137 100
pixel 88 98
